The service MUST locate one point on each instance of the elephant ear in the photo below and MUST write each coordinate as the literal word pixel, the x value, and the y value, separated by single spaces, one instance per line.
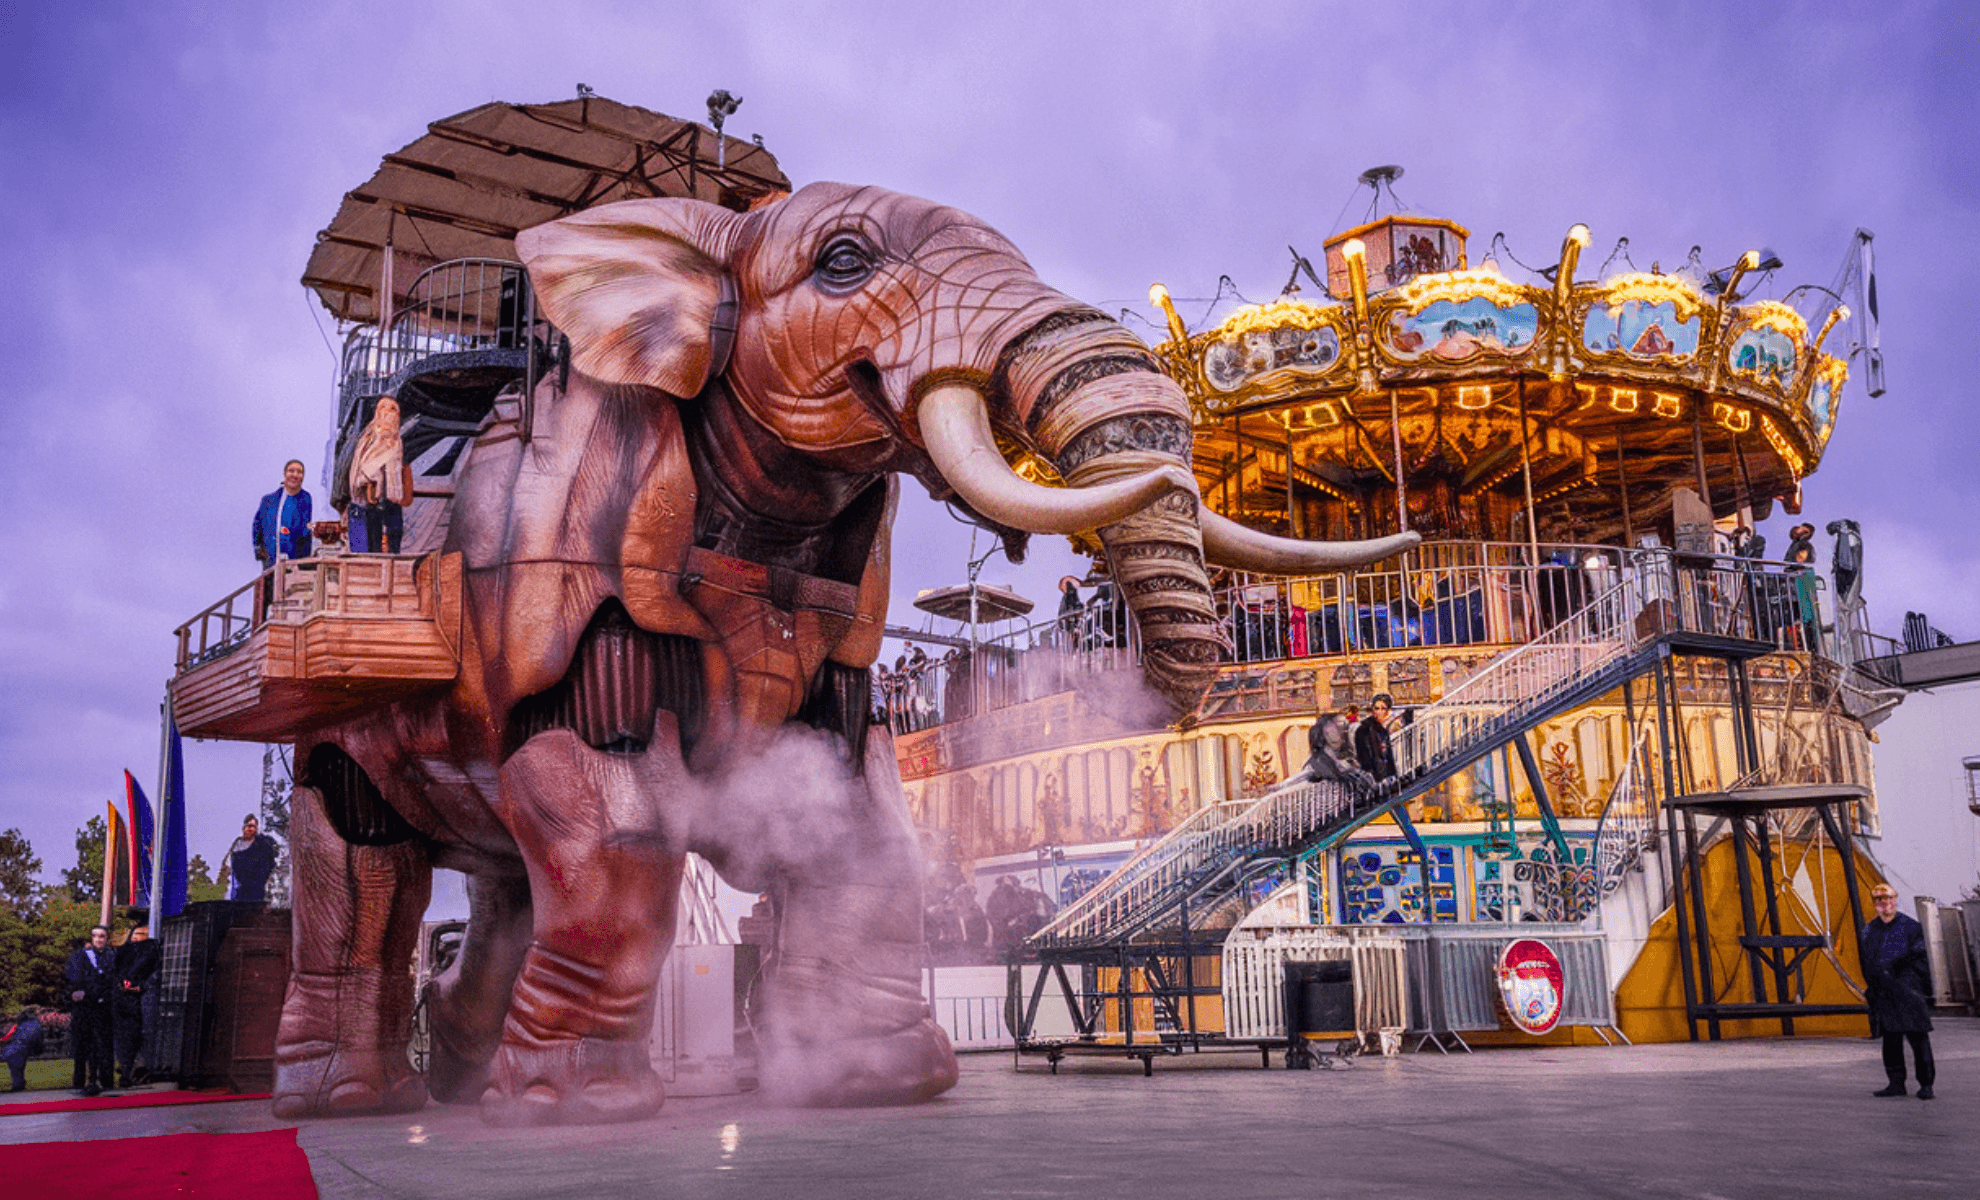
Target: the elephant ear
pixel 638 287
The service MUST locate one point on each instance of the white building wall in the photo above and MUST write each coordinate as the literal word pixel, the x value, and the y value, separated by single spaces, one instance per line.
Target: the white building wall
pixel 1931 843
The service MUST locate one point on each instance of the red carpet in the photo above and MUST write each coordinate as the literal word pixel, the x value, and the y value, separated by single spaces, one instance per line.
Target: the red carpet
pixel 134 1100
pixel 207 1166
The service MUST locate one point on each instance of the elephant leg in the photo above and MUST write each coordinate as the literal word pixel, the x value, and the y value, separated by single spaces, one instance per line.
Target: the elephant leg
pixel 468 1002
pixel 604 884
pixel 341 1046
pixel 846 1022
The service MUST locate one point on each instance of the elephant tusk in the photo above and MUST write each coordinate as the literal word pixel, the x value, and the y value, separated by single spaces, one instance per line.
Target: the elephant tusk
pixel 1229 544
pixel 955 426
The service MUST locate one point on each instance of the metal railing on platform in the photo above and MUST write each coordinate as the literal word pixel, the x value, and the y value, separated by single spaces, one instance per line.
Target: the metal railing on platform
pixel 1569 599
pixel 456 307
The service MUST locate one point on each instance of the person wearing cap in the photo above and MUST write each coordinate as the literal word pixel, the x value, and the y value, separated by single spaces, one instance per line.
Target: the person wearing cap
pixel 1801 544
pixel 1897 979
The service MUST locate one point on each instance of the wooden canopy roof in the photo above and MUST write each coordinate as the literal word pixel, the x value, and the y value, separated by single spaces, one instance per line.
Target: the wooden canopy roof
pixel 476 178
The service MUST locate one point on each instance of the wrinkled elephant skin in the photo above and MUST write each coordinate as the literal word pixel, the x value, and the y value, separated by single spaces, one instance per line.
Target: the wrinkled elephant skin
pixel 675 586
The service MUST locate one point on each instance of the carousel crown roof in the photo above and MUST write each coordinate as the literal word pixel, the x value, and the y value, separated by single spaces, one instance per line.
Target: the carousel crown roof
pixel 1408 334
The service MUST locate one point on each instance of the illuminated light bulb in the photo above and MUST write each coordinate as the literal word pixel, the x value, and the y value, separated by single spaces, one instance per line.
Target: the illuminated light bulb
pixel 1352 248
pixel 1158 295
pixel 1579 235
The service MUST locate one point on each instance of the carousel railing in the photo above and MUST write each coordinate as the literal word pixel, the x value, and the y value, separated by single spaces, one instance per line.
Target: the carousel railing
pixel 1440 594
pixel 1557 602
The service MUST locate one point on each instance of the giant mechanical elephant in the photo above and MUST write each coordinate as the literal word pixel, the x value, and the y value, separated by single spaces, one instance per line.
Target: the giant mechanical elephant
pixel 674 588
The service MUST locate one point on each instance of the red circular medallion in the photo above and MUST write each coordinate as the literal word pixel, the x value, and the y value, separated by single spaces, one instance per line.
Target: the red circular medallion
pixel 1530 980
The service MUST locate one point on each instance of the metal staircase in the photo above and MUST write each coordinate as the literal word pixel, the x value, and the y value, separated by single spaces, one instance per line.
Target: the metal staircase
pixel 1620 634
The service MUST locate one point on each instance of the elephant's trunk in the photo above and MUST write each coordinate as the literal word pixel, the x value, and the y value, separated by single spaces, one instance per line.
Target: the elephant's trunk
pixel 1088 394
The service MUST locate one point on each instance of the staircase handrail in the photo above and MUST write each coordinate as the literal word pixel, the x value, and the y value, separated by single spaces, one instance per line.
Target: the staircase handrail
pixel 1150 868
pixel 1628 824
pixel 1601 631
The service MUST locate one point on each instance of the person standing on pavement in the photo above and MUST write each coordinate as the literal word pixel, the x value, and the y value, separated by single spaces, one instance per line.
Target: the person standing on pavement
pixel 137 965
pixel 91 975
pixel 1897 980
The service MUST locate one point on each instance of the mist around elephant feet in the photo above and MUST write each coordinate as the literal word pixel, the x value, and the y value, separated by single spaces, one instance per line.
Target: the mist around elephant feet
pixel 909 1066
pixel 576 1081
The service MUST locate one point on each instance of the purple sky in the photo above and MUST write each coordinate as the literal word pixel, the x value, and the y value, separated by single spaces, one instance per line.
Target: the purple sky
pixel 164 166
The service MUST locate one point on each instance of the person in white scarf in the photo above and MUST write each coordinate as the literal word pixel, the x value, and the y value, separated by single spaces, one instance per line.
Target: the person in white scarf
pixel 381 482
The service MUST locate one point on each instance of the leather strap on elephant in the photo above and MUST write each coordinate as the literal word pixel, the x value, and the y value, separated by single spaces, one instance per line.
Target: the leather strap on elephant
pixel 786 589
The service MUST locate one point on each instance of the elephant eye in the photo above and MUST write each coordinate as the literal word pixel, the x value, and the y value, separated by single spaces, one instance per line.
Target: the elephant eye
pixel 844 263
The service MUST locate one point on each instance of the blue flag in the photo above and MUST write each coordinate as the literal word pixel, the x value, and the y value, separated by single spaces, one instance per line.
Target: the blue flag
pixel 172 820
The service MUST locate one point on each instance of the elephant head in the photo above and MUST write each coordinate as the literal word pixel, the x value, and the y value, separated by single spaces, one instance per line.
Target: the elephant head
pixel 873 331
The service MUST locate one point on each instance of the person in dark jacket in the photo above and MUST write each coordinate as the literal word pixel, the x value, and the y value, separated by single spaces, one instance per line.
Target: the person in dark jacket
pixel 19 1039
pixel 1331 757
pixel 1897 980
pixel 137 966
pixel 1371 740
pixel 91 976
pixel 248 863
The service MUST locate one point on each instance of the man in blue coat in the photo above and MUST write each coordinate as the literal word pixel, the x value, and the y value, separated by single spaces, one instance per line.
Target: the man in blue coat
pixel 281 523
pixel 1898 985
pixel 91 977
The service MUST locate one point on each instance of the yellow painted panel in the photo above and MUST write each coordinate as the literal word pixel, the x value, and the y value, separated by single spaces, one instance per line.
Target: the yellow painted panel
pixel 1650 999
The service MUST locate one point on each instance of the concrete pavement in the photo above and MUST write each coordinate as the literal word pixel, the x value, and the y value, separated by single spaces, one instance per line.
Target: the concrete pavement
pixel 1737 1119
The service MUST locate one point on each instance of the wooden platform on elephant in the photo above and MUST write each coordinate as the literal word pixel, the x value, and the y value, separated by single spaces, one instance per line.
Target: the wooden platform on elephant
pixel 317 641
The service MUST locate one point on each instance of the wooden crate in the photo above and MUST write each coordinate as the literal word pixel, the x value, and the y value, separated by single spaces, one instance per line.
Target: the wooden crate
pixel 338 635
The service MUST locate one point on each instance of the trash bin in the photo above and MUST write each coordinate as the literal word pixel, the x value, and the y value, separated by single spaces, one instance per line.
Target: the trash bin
pixel 1319 997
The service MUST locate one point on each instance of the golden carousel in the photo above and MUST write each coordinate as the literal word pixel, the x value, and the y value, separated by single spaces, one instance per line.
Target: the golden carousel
pixel 1426 393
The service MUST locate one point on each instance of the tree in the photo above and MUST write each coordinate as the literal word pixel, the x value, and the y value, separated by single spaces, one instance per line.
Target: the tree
pixel 20 889
pixel 199 882
pixel 32 953
pixel 84 881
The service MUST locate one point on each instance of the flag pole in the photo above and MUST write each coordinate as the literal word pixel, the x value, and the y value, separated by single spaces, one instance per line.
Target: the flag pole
pixel 163 815
pixel 109 864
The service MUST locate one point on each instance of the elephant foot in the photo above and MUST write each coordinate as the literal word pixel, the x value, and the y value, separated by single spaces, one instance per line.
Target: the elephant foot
pixel 344 1083
pixel 908 1066
pixel 455 1074
pixel 575 1081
